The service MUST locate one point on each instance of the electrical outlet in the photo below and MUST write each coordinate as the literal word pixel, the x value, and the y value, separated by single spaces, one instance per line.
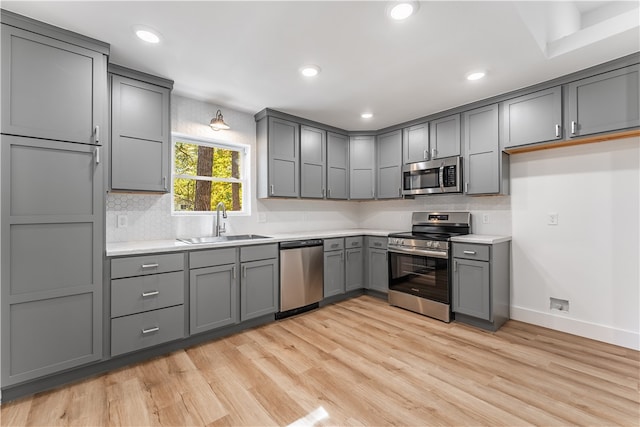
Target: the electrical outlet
pixel 552 218
pixel 262 217
pixel 122 221
pixel 558 304
pixel 485 218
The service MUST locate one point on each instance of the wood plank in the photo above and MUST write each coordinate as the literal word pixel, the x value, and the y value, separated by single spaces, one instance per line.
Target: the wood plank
pixel 575 141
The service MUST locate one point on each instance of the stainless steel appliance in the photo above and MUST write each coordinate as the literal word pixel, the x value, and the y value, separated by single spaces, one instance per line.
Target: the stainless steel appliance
pixel 301 276
pixel 433 177
pixel 420 260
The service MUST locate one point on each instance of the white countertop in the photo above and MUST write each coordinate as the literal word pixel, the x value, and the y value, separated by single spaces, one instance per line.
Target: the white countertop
pixel 154 246
pixel 484 239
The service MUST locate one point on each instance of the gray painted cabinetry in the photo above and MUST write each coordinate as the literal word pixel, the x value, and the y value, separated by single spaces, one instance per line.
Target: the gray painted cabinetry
pixel 481 295
pixel 389 147
pixel 313 173
pixel 376 263
pixel 415 143
pixel 444 137
pixel 533 118
pixel 362 160
pixel 603 103
pixel 278 143
pixel 334 278
pixel 354 263
pixel 259 285
pixel 337 166
pixel 52 203
pixel 140 131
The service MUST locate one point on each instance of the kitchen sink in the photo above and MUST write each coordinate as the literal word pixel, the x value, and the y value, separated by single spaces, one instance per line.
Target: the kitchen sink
pixel 221 239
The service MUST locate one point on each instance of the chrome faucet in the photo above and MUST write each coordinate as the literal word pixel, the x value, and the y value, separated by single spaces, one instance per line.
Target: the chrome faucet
pixel 219 229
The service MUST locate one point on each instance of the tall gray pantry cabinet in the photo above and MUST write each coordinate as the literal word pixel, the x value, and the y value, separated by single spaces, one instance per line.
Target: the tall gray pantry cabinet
pixel 54 95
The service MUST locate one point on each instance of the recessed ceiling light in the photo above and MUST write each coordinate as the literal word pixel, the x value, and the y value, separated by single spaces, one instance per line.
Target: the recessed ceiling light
pixel 476 75
pixel 400 10
pixel 310 70
pixel 366 115
pixel 147 35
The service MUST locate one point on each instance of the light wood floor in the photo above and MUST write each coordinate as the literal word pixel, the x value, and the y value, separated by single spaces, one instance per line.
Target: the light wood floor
pixel 364 363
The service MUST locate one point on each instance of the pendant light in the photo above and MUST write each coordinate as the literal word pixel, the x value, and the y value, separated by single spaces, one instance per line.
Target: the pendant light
pixel 217 123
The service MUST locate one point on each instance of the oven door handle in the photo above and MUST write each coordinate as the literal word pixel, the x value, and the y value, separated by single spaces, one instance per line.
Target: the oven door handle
pixel 434 254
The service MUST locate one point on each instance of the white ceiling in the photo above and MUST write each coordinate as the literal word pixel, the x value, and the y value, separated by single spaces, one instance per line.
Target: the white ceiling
pixel 246 55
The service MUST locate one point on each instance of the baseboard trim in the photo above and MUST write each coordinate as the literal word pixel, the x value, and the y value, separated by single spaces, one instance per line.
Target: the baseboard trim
pixel 595 331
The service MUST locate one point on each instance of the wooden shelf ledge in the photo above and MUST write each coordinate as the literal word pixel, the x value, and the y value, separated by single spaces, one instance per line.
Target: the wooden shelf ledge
pixel 576 141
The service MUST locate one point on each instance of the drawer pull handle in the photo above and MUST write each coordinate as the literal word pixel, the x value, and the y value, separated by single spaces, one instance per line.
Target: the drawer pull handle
pixel 378 244
pixel 469 252
pixel 150 330
pixel 150 294
pixel 334 245
pixel 156 265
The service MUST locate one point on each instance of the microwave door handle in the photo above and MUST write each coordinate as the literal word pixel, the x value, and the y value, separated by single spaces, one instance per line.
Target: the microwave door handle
pixel 441 177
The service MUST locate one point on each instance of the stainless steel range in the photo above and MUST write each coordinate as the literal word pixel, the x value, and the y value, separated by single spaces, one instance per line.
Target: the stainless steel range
pixel 420 260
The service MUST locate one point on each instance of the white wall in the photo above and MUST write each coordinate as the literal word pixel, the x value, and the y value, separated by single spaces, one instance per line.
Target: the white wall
pixel 592 256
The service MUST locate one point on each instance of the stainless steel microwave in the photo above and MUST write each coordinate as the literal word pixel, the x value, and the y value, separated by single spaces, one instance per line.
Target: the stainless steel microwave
pixel 433 176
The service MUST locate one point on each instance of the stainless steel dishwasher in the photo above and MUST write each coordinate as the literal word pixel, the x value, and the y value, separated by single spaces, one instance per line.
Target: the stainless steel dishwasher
pixel 301 276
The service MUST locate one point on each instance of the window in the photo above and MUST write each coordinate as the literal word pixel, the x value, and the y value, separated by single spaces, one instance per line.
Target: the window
pixel 206 172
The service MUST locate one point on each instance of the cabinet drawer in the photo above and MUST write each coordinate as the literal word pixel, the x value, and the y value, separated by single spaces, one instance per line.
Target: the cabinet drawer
pixel 471 251
pixel 258 252
pixel 137 294
pixel 199 259
pixel 333 244
pixel 377 242
pixel 146 264
pixel 353 242
pixel 138 331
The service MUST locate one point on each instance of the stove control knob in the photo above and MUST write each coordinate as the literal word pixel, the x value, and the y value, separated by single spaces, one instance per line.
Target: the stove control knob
pixel 436 245
pixel 429 243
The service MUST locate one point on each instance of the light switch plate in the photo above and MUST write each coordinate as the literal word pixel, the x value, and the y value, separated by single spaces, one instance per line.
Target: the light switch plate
pixel 485 218
pixel 122 221
pixel 552 218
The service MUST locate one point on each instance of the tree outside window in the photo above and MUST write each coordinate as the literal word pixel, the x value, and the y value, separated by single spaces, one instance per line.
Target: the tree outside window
pixel 206 173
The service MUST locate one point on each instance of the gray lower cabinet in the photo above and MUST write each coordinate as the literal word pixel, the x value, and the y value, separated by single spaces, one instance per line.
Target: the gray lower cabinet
pixel 415 143
pixel 52 210
pixel 444 137
pixel 603 103
pixel 140 131
pixel 313 173
pixel 354 263
pixel 376 260
pixel 213 289
pixel 278 141
pixel 52 89
pixel 147 301
pixel 533 118
pixel 362 160
pixel 334 278
pixel 486 167
pixel 259 281
pixel 481 295
pixel 337 166
pixel 389 149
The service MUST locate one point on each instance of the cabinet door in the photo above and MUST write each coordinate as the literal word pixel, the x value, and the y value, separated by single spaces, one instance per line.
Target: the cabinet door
pixel 482 150
pixel 333 273
pixel 536 117
pixel 415 143
pixel 313 147
pixel 390 165
pixel 51 89
pixel 354 274
pixel 284 158
pixel 378 270
pixel 362 160
pixel 52 246
pixel 258 288
pixel 337 166
pixel 445 137
pixel 214 298
pixel 139 135
pixel 606 102
pixel 471 288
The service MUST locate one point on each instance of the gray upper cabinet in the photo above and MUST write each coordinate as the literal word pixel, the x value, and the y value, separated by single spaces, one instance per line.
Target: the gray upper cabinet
pixel 415 143
pixel 52 89
pixel 140 133
pixel 284 158
pixel 483 168
pixel 603 103
pixel 313 149
pixel 389 147
pixel 533 118
pixel 444 137
pixel 362 160
pixel 337 166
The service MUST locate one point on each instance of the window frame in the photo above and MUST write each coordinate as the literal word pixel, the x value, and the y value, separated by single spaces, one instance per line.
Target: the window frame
pixel 245 172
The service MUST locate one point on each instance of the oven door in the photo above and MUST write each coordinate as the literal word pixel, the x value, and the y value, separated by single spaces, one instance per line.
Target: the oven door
pixel 421 275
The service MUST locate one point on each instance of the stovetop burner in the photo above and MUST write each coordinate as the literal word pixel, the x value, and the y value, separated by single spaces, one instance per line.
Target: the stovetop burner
pixel 431 231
